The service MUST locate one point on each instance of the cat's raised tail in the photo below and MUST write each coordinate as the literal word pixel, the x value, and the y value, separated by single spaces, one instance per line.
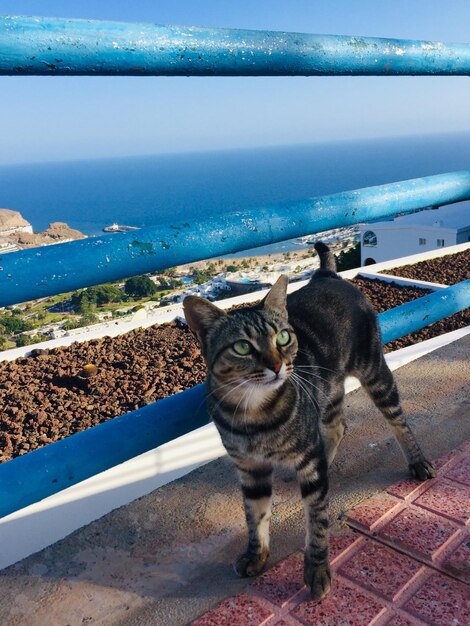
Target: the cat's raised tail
pixel 327 258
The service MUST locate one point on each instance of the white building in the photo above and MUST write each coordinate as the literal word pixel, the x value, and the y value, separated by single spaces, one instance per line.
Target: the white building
pixel 415 233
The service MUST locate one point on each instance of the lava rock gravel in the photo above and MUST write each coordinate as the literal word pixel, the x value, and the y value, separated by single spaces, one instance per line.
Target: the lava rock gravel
pixel 446 270
pixel 385 296
pixel 47 397
pixel 53 394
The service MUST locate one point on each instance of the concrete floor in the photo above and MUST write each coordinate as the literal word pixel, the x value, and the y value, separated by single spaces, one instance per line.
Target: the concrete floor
pixel 166 558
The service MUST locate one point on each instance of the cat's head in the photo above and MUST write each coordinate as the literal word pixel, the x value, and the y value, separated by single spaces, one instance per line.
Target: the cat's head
pixel 253 347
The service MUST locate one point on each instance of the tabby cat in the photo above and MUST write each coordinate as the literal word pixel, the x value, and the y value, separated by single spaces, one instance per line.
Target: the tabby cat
pixel 275 387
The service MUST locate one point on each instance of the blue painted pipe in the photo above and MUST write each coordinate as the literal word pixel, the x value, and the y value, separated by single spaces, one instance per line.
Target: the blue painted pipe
pixel 49 270
pixel 41 473
pixel 57 46
pixel 419 313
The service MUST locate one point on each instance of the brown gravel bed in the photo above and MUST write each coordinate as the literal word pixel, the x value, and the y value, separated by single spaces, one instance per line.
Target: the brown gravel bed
pixel 48 396
pixel 385 296
pixel 446 270
pixel 44 398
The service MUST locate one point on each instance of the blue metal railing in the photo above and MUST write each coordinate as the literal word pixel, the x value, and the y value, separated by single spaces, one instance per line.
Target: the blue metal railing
pixel 56 47
pixel 59 47
pixel 35 273
pixel 41 473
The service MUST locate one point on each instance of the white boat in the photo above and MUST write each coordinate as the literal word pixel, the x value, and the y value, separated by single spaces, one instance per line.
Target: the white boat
pixel 118 228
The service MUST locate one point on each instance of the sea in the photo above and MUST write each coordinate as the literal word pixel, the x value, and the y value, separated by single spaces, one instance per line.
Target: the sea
pixel 150 190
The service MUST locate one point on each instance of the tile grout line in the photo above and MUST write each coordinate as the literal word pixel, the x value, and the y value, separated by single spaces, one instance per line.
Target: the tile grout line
pixel 393 606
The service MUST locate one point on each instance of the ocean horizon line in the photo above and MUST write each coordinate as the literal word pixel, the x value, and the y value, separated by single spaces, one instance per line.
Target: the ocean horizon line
pixel 151 190
pixel 235 149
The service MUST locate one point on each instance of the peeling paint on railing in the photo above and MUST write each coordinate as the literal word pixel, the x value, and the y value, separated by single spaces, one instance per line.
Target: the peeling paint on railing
pixel 50 270
pixel 57 46
pixel 421 312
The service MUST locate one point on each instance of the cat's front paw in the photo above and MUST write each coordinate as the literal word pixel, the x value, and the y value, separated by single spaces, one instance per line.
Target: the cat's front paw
pixel 422 470
pixel 249 564
pixel 317 578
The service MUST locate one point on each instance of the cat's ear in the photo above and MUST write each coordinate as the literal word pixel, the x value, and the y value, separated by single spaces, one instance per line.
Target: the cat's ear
pixel 276 299
pixel 201 315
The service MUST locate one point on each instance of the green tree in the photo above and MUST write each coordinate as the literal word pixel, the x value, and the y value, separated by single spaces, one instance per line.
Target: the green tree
pixel 83 301
pixel 25 340
pixel 70 324
pixel 22 340
pixel 348 260
pixel 170 271
pixel 201 276
pixel 14 324
pixel 103 294
pixel 140 286
pixel 3 342
pixel 232 268
pixel 89 318
pixel 169 283
pixel 86 300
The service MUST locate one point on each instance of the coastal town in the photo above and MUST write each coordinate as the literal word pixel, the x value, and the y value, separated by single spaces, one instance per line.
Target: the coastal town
pixel 136 298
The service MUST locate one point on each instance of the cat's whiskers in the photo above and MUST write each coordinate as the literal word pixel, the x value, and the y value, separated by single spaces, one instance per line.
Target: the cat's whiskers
pixel 309 372
pixel 248 400
pixel 320 391
pixel 300 386
pixel 244 382
pixel 310 375
pixel 316 366
pixel 236 408
pixel 227 384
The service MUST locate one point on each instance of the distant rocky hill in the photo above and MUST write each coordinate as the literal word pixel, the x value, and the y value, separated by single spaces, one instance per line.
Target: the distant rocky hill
pixel 17 233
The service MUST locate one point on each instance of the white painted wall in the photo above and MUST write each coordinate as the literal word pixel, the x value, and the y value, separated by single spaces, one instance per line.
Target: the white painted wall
pixel 392 237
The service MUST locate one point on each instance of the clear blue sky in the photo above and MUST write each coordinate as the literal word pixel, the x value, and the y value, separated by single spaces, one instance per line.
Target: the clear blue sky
pixel 48 119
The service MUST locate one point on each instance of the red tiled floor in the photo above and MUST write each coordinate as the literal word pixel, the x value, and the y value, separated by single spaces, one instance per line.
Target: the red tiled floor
pixel 282 581
pixel 449 499
pixel 458 563
pixel 441 601
pixel 339 543
pixel 239 611
pixel 343 605
pixel 460 471
pixel 445 458
pixel 380 569
pixel 373 583
pixel 367 514
pixel 419 531
pixel 398 620
pixel 405 488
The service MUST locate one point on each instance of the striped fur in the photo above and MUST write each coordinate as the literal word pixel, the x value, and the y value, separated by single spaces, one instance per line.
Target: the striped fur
pixel 283 402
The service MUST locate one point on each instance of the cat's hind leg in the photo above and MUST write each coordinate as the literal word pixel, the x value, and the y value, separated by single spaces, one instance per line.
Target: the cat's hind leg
pixel 312 474
pixel 332 422
pixel 381 387
pixel 256 481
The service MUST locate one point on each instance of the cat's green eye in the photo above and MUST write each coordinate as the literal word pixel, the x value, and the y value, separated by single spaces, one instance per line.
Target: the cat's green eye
pixel 283 338
pixel 242 348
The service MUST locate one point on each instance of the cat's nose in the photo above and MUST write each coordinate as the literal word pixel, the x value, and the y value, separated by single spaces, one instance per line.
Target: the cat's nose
pixel 276 367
